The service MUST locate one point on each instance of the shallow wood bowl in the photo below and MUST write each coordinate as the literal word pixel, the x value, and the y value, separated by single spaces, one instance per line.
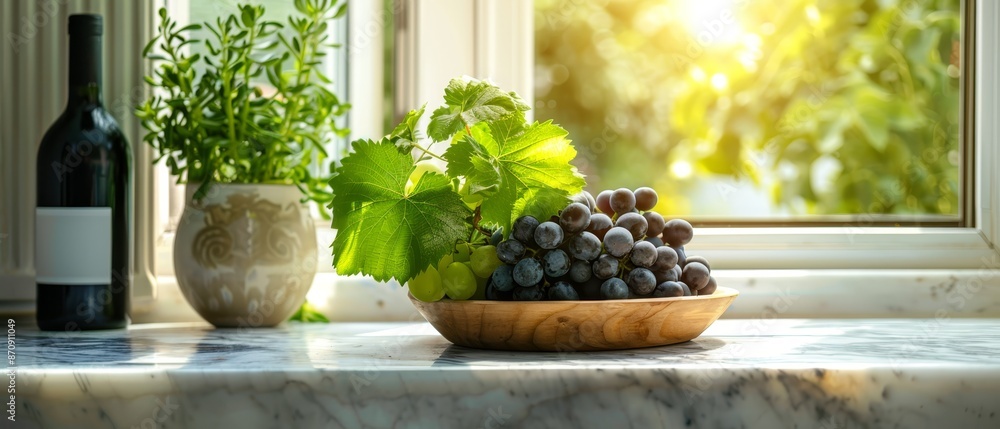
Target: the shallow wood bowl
pixel 575 325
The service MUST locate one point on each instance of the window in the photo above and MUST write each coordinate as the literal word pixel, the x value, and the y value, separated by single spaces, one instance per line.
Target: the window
pixel 738 111
pixel 849 257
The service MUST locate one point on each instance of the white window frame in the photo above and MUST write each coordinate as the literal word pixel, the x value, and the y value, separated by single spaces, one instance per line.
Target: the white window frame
pixel 827 262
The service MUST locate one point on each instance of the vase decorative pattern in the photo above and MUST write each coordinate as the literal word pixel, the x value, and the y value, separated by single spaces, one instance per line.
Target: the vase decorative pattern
pixel 245 255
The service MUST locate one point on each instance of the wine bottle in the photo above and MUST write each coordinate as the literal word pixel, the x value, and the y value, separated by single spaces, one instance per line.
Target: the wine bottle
pixel 83 214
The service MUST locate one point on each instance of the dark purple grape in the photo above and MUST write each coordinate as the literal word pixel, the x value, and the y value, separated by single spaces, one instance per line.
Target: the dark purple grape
pixel 580 271
pixel 643 254
pixel 548 235
pixel 622 201
pixel 618 242
pixel 600 224
pixel 698 259
pixel 531 293
pixel 668 289
pixel 677 232
pixel 585 246
pixel 494 294
pixel 645 198
pixel 510 251
pixel 666 258
pixel 574 218
pixel 584 197
pixel 614 288
pixel 524 230
pixel 590 289
pixel 709 288
pixel 605 267
pixel 681 255
pixel 654 223
pixel 657 242
pixel 528 272
pixel 562 291
pixel 671 275
pixel 503 278
pixel 557 263
pixel 604 202
pixel 634 223
pixel 695 275
pixel 641 281
pixel 687 290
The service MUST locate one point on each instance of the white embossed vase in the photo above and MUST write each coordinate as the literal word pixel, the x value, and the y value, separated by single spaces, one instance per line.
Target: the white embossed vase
pixel 245 255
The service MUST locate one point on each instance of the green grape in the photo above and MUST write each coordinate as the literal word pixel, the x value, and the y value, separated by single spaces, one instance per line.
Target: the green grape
pixel 484 261
pixel 443 263
pixel 427 286
pixel 424 167
pixel 470 199
pixel 421 168
pixel 481 285
pixel 462 252
pixel 458 281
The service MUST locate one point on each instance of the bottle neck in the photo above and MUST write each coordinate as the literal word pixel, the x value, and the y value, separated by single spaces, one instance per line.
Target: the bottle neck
pixel 85 69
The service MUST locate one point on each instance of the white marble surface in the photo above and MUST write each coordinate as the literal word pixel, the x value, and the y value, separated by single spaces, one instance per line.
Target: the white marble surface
pixel 740 373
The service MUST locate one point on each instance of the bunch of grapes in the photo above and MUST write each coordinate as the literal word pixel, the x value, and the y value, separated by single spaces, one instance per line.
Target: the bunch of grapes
pixel 611 247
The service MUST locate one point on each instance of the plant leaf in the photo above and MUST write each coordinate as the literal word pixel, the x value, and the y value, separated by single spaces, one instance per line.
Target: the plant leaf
pixel 519 169
pixel 308 314
pixel 468 102
pixel 383 230
pixel 406 134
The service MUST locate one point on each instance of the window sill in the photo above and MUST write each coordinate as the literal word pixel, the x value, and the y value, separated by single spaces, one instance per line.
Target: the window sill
pixel 763 294
pixel 826 293
pixel 765 373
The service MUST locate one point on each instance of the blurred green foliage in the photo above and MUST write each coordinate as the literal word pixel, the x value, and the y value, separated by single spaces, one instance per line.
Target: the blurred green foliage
pixel 827 106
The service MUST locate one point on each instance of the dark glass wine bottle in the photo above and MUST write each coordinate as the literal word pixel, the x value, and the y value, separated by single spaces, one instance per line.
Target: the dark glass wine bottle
pixel 83 214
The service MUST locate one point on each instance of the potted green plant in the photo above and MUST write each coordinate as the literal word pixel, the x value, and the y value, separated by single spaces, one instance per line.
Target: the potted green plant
pixel 245 127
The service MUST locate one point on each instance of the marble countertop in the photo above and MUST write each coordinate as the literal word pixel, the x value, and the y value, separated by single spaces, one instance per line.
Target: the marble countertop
pixel 740 373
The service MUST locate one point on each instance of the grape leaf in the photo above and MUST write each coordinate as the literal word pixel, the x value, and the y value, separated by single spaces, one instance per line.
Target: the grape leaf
pixel 519 169
pixel 470 101
pixel 383 230
pixel 308 314
pixel 406 133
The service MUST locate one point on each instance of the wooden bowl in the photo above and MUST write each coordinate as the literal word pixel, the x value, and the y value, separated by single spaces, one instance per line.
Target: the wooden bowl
pixel 575 325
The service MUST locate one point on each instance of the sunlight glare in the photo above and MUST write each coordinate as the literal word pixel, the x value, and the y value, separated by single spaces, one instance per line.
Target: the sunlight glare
pixel 719 81
pixel 712 21
pixel 698 74
pixel 812 13
pixel 681 169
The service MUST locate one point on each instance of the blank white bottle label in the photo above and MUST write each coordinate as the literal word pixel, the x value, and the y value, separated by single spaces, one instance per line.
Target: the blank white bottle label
pixel 73 245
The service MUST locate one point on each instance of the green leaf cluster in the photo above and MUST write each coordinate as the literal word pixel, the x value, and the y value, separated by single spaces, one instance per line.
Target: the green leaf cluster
pixel 392 223
pixel 831 107
pixel 222 124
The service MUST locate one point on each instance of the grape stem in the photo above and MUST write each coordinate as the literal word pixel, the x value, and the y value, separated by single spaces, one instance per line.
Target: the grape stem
pixel 478 216
pixel 428 152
